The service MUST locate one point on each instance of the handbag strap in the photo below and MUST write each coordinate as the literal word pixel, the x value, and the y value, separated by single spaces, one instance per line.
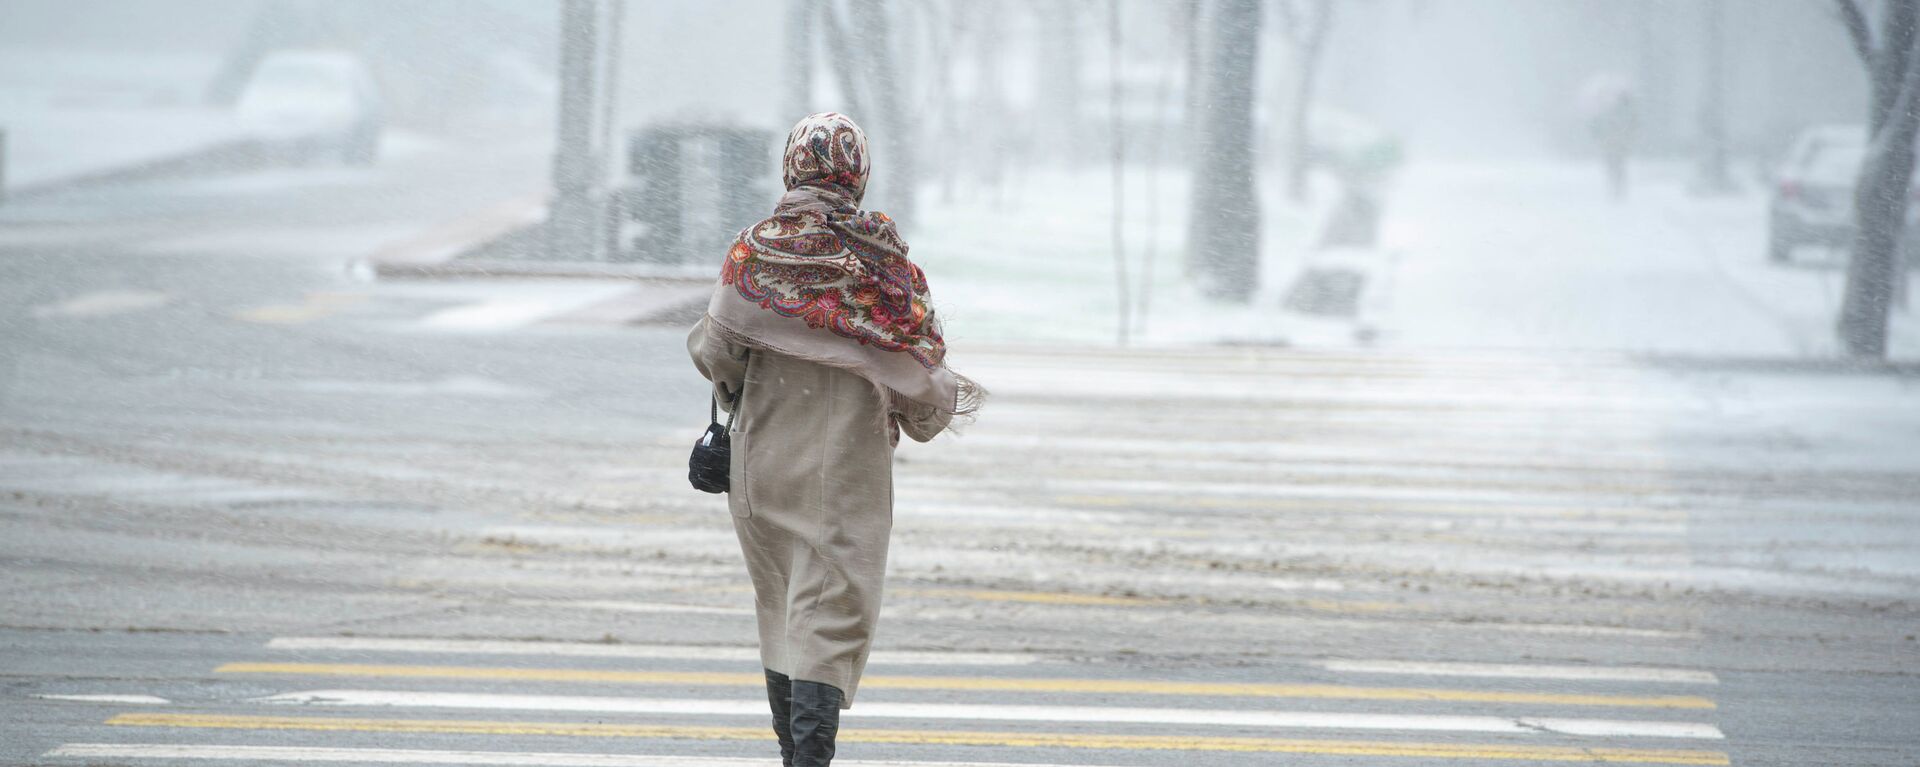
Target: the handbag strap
pixel 713 404
pixel 713 408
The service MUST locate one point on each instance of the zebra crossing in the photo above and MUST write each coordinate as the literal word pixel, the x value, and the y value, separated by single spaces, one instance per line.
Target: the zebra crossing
pixel 668 705
pixel 1148 558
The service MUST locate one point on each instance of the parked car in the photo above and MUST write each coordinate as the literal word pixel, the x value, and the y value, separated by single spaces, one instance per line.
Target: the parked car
pixel 1813 193
pixel 1813 190
pixel 312 104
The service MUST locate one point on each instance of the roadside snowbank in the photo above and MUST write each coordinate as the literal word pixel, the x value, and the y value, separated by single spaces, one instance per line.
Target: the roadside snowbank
pixel 72 114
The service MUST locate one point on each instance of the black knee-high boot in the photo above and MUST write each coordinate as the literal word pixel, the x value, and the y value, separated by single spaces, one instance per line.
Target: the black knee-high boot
pixel 780 698
pixel 816 720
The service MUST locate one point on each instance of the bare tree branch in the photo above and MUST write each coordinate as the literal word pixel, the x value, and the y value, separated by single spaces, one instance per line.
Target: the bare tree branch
pixel 1857 29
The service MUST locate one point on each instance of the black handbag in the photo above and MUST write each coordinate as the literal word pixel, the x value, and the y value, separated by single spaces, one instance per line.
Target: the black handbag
pixel 711 465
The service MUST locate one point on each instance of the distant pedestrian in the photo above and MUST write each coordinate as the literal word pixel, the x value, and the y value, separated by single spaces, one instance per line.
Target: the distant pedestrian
pixel 1613 116
pixel 821 340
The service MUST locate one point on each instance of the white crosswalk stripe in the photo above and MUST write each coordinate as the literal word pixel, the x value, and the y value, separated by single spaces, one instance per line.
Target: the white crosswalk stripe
pixel 1520 671
pixel 586 649
pixel 1195 717
pixel 307 755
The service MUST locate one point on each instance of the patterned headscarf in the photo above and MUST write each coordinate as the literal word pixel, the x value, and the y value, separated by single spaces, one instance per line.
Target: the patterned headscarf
pixel 827 149
pixel 825 281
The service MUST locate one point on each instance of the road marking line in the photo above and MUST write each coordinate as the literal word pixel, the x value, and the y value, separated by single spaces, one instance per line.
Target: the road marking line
pixel 1004 713
pixel 1031 597
pixel 600 536
pixel 316 306
pixel 623 606
pixel 1478 751
pixel 594 650
pixel 101 303
pixel 1574 629
pixel 305 755
pixel 143 700
pixel 1351 505
pixel 1102 600
pixel 1518 671
pixel 1109 686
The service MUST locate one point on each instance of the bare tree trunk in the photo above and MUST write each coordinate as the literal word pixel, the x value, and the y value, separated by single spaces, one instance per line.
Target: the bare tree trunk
pixel 1180 33
pixel 1309 38
pixel 1196 47
pixel 1224 235
pixel 1653 82
pixel 1714 178
pixel 1881 197
pixel 987 139
pixel 948 31
pixel 897 140
pixel 1058 67
pixel 840 54
pixel 1890 62
pixel 1880 207
pixel 798 61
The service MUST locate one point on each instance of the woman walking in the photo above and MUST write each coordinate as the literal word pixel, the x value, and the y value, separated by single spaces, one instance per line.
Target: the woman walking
pixel 821 342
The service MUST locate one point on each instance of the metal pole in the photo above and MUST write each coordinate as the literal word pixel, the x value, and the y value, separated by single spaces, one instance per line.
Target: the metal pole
pixel 1119 168
pixel 571 219
pixel 609 90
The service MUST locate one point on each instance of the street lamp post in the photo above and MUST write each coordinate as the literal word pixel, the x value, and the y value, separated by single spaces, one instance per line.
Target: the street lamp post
pixel 589 30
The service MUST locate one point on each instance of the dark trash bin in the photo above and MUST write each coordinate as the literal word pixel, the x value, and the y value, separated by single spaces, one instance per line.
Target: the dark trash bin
pixel 690 188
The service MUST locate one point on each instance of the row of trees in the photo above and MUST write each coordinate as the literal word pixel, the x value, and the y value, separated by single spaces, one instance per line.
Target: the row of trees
pixel 872 52
pixel 860 45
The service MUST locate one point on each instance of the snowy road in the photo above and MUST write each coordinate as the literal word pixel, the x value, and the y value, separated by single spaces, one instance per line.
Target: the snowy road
pixel 331 535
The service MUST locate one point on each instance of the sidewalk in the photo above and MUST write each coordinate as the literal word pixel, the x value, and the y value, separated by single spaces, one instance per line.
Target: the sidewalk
pixel 1535 256
pixel 1510 255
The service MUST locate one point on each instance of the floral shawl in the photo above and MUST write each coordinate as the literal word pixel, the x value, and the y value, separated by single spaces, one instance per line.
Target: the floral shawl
pixel 824 281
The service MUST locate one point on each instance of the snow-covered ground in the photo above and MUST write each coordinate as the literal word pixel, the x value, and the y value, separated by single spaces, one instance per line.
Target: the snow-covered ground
pixel 1537 256
pixel 1523 255
pixel 69 114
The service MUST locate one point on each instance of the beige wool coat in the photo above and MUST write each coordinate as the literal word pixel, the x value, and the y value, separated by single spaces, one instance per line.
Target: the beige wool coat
pixel 812 500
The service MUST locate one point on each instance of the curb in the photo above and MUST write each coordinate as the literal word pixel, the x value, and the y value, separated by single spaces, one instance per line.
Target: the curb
pixel 459 249
pixel 479 268
pixel 232 153
pixel 431 253
pixel 448 251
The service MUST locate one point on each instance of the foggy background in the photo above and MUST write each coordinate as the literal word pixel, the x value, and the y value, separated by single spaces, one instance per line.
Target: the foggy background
pixel 1466 78
pixel 1478 117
